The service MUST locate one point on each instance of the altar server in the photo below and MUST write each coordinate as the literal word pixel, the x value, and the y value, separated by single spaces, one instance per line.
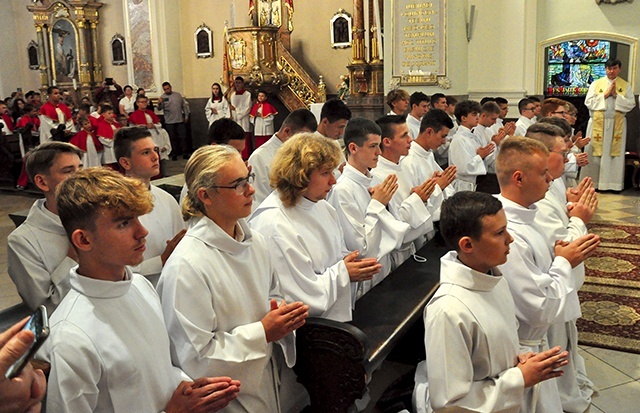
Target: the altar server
pixel 144 117
pixel 108 346
pixel 138 156
pixel 409 203
pixel 540 281
pixel 39 255
pixel 362 207
pixel 471 330
pixel 561 219
pixel 55 117
pixel 220 295
pixel 420 163
pixel 305 240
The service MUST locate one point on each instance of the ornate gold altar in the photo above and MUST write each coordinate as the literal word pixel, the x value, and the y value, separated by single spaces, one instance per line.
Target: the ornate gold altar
pixel 260 54
pixel 68 43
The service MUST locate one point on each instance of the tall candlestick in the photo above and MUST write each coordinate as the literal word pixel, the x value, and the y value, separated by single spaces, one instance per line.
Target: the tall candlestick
pixel 379 26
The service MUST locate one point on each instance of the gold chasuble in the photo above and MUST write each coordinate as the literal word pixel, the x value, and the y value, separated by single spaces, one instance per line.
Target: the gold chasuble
pixel 601 86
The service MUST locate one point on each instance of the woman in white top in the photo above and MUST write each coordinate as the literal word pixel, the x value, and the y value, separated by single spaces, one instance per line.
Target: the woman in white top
pixel 217 107
pixel 126 104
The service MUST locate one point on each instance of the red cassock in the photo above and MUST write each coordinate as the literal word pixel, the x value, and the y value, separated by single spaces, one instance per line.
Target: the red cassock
pixel 50 111
pixel 104 128
pixel 267 109
pixel 80 140
pixel 138 118
pixel 25 120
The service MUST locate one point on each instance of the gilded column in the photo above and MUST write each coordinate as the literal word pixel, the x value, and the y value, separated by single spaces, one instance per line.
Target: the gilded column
pixel 42 59
pixel 97 67
pixel 84 75
pixel 358 56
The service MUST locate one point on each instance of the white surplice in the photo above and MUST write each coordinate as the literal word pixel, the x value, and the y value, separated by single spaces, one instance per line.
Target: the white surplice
pixel 414 126
pixel 407 207
pixel 607 171
pixel 471 343
pixel 37 258
pixel 221 106
pixel 542 287
pixel 367 225
pixel 486 134
pixel 240 114
pixel 307 249
pixel 522 124
pixel 215 290
pixel 109 349
pixel 553 220
pixel 421 165
pixel 260 162
pixel 163 223
pixel 463 154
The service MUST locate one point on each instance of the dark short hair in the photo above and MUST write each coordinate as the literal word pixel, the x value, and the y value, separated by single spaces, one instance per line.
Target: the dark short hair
pixel 40 159
pixel 223 130
pixel 501 101
pixel 461 215
pixel 300 119
pixel 435 119
pixel 125 137
pixel 28 107
pixel 166 84
pixel 239 78
pixel 388 122
pixel 546 133
pixel 564 126
pixel 451 100
pixel 50 89
pixel 490 107
pixel 128 86
pixel 523 104
pixel 358 131
pixel 534 99
pixel 486 99
pixel 613 62
pixel 85 106
pixel 138 97
pixel 140 89
pixel 105 107
pixel 436 97
pixel 334 110
pixel 417 98
pixel 466 107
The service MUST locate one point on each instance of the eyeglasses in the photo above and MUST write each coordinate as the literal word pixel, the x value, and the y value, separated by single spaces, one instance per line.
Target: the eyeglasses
pixel 560 112
pixel 241 185
pixel 533 108
pixel 565 154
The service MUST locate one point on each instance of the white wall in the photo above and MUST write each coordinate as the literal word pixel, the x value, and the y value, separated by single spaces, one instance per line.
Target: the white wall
pixel 557 18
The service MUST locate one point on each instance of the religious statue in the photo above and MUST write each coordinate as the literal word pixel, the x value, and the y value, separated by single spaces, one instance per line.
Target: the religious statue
pixel 343 88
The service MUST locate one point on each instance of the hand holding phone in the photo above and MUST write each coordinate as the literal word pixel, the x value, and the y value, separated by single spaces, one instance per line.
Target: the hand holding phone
pixel 39 324
pixel 27 390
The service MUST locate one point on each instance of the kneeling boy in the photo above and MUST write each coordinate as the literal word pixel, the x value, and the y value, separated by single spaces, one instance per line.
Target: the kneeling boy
pixel 109 347
pixel 471 335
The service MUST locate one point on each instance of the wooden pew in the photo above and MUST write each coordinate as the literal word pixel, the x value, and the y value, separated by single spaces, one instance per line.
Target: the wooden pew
pixel 334 359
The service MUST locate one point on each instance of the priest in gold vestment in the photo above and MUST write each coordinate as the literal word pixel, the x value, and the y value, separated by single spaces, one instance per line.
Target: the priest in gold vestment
pixel 609 99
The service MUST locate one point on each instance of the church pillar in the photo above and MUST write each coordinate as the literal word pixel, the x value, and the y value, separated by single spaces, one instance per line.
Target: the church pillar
pixel 97 67
pixel 358 56
pixel 44 75
pixel 83 74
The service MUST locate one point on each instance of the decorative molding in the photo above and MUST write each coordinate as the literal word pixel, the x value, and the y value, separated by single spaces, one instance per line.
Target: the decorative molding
pixel 33 54
pixel 598 2
pixel 296 84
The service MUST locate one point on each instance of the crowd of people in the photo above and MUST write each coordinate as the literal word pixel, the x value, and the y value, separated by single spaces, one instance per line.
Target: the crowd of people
pixel 164 306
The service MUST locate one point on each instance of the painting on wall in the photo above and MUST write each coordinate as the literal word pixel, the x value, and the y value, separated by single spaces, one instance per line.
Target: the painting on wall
pixel 64 51
pixel 341 31
pixel 203 38
pixel 32 52
pixel 118 52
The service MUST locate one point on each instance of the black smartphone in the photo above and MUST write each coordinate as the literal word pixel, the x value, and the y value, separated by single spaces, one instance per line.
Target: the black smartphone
pixel 39 324
pixel 108 81
pixel 19 89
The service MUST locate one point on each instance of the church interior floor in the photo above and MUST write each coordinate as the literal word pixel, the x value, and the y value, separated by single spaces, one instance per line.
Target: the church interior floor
pixel 615 373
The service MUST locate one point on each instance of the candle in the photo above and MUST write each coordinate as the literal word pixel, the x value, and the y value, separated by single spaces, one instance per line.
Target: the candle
pixel 75 85
pixel 54 82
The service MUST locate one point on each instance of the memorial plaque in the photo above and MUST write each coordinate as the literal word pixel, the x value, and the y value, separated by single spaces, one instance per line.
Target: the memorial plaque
pixel 419 41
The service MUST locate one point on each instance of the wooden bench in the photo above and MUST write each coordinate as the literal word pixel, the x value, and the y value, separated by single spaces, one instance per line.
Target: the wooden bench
pixel 334 359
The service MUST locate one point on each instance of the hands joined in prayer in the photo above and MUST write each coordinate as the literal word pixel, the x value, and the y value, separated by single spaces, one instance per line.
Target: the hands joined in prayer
pixel 486 150
pixel 384 191
pixel 585 207
pixel 578 250
pixel 444 178
pixel 361 269
pixel 425 190
pixel 537 367
pixel 283 318
pixel 206 394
